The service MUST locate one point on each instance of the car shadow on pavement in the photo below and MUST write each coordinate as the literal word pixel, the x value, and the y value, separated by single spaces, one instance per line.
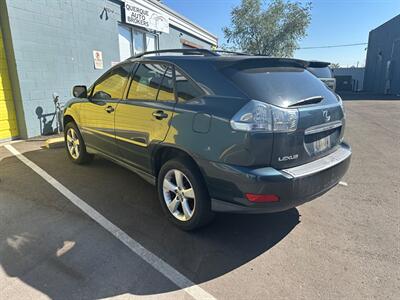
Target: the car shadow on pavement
pixel 130 203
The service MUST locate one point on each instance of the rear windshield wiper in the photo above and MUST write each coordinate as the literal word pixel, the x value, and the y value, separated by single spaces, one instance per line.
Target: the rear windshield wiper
pixel 309 100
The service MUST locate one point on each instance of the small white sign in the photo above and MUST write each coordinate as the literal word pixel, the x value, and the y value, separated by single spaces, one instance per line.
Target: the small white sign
pixel 98 59
pixel 139 15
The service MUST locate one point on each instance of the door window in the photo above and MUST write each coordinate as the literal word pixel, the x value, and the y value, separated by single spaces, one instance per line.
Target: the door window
pixel 146 82
pixel 166 91
pixel 112 85
pixel 185 88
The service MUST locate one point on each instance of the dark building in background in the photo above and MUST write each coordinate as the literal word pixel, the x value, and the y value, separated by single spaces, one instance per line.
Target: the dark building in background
pixel 349 79
pixel 382 69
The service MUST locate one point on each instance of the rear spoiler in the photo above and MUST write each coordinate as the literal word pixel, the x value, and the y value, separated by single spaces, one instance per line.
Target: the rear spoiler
pixel 263 62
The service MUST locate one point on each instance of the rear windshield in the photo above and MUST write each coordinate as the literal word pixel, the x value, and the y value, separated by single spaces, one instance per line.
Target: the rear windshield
pixel 281 86
pixel 321 72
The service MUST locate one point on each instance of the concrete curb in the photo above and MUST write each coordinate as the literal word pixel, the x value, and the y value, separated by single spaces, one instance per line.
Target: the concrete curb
pixel 54 143
pixel 10 142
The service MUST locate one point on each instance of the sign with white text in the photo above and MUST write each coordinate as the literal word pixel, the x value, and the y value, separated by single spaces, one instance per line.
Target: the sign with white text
pixel 139 15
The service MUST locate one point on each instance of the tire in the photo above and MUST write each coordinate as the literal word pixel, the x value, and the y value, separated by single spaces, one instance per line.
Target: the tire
pixel 178 204
pixel 73 139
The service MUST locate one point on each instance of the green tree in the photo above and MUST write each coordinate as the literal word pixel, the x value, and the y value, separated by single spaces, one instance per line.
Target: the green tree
pixel 334 65
pixel 272 29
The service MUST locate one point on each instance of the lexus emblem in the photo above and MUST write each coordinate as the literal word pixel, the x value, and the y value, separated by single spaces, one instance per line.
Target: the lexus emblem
pixel 327 116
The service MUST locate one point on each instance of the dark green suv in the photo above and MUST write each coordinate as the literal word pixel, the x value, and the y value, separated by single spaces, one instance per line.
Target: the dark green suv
pixel 248 134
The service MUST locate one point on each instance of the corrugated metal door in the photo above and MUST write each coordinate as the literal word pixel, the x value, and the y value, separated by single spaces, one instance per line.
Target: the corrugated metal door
pixel 344 83
pixel 8 119
pixel 395 82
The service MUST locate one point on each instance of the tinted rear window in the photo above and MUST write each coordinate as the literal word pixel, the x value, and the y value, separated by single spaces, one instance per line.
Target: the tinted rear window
pixel 281 86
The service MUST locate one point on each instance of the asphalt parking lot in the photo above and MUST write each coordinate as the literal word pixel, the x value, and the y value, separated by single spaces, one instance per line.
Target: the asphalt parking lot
pixel 344 245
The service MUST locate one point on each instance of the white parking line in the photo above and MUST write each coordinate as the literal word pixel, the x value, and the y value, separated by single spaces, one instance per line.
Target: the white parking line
pixel 157 263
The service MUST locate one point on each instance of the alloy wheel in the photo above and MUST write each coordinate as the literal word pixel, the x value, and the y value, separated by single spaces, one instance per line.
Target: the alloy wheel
pixel 73 143
pixel 179 195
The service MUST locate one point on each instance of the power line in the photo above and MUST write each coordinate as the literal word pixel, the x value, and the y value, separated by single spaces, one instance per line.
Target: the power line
pixel 334 46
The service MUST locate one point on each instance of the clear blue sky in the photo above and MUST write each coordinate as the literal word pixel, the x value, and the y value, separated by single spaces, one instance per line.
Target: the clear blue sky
pixel 333 22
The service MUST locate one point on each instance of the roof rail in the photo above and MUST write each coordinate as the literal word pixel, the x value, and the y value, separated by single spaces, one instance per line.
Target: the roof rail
pixel 231 52
pixel 194 51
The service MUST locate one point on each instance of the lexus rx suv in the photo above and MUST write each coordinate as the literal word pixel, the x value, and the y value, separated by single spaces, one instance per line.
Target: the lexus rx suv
pixel 213 133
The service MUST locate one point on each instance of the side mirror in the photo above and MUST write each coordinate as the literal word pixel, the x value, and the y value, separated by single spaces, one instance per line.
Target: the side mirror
pixel 79 91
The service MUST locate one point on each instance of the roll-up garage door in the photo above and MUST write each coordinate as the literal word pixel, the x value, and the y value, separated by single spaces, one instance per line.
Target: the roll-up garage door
pixel 8 119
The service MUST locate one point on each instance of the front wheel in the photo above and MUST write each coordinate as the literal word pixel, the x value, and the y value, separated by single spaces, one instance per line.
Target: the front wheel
pixel 183 194
pixel 75 145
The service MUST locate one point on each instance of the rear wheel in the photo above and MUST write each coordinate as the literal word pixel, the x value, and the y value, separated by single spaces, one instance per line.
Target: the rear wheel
pixel 183 195
pixel 75 145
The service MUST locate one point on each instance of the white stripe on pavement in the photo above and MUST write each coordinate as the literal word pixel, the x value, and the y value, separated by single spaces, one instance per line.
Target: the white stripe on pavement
pixel 157 263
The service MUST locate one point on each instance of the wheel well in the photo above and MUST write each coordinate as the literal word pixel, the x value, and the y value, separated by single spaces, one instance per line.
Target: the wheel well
pixel 68 119
pixel 164 154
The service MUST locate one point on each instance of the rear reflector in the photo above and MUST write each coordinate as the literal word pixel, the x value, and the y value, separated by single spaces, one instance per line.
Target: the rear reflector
pixel 262 198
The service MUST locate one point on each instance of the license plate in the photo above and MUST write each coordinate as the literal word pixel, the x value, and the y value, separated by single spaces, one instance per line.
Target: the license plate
pixel 322 144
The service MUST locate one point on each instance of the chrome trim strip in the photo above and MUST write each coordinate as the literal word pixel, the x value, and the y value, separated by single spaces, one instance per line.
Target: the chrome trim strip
pixel 115 137
pixel 323 127
pixel 131 141
pixel 98 132
pixel 321 164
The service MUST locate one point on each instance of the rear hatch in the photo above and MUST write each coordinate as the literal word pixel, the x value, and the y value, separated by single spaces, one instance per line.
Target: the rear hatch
pixel 319 132
pixel 321 120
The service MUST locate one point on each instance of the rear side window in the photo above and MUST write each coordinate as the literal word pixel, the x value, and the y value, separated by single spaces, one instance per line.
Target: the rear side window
pixel 112 85
pixel 146 82
pixel 280 86
pixel 185 88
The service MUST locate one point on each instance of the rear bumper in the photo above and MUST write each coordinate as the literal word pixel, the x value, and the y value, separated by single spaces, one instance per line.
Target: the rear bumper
pixel 294 186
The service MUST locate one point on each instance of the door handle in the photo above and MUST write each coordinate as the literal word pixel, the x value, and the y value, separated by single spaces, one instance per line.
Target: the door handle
pixel 159 115
pixel 109 109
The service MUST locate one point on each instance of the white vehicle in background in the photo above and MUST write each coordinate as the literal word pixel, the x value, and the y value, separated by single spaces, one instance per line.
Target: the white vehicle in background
pixel 323 72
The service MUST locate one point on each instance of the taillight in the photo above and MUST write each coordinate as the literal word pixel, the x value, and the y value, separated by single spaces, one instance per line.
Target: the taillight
pixel 257 116
pixel 340 100
pixel 344 116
